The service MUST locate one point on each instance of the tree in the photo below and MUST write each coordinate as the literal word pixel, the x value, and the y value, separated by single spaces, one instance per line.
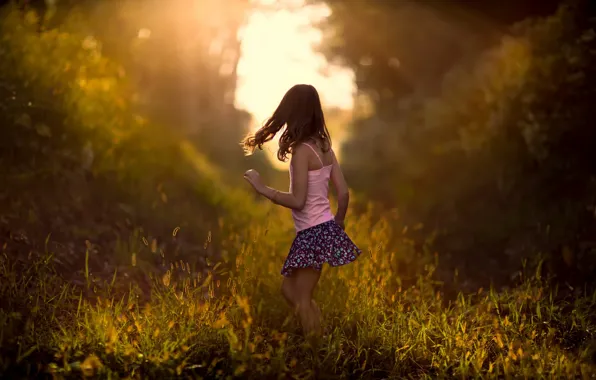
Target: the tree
pixel 180 60
pixel 496 157
pixel 69 112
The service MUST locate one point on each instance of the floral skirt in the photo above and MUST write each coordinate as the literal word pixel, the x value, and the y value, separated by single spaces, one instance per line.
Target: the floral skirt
pixel 323 243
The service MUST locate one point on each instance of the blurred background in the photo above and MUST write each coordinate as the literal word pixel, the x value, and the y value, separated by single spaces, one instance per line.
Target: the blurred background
pixel 471 121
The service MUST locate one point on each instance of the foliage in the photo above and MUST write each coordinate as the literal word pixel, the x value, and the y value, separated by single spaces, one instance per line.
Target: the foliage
pixel 69 113
pixel 180 63
pixel 499 160
pixel 411 48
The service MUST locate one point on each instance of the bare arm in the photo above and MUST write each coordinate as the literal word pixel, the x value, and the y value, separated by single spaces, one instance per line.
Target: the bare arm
pixel 297 198
pixel 341 190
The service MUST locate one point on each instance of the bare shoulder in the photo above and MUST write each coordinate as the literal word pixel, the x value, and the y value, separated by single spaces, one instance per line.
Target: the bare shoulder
pixel 300 148
pixel 300 153
pixel 330 156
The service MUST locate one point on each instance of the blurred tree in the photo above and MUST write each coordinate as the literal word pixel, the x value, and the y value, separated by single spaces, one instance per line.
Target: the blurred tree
pixel 78 153
pixel 395 47
pixel 181 60
pixel 489 147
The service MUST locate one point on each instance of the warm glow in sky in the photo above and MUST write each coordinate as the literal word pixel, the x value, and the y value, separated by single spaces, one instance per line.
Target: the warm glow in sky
pixel 277 53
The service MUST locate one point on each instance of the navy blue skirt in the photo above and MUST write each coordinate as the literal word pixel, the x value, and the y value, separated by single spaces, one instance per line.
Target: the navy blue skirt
pixel 323 243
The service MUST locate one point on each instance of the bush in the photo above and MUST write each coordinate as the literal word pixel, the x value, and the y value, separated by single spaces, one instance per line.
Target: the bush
pixel 499 163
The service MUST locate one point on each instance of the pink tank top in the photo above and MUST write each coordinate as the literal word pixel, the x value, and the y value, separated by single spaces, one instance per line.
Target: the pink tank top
pixel 317 209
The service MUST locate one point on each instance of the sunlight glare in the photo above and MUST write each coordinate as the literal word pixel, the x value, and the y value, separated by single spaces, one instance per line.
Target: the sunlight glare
pixel 277 53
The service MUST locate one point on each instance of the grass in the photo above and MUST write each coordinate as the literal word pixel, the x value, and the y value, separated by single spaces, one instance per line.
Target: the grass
pixel 232 322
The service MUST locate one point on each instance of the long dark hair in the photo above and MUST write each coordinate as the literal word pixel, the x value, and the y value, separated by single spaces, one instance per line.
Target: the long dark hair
pixel 301 112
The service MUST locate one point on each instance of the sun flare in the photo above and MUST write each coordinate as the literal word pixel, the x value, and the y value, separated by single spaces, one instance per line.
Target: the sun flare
pixel 278 51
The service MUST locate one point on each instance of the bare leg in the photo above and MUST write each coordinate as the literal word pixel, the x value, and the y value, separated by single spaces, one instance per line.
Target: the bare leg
pixel 288 291
pixel 306 280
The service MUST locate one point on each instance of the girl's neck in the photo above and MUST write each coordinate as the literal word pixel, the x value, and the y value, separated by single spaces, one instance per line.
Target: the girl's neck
pixel 314 140
pixel 319 143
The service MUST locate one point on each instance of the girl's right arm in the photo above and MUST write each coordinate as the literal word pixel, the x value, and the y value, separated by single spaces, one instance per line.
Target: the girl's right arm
pixel 341 190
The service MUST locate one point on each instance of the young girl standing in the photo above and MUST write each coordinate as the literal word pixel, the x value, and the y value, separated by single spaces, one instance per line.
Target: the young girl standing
pixel 320 236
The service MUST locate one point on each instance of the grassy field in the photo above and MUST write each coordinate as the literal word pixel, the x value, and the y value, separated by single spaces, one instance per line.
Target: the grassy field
pixel 231 321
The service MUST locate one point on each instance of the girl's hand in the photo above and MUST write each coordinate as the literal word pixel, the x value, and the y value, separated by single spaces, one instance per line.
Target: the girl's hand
pixel 253 177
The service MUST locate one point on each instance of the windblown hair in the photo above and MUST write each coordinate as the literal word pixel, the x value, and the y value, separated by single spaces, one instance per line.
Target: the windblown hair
pixel 301 112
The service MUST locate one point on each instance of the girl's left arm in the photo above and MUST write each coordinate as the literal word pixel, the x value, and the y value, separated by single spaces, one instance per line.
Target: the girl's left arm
pixel 297 198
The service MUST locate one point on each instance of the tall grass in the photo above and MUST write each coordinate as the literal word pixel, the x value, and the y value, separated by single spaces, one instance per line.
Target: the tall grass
pixel 234 323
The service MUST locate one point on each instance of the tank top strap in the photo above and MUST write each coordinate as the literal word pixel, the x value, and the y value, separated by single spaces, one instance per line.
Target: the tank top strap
pixel 315 152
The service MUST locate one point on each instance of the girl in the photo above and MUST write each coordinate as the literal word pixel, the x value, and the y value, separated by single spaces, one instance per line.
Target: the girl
pixel 320 236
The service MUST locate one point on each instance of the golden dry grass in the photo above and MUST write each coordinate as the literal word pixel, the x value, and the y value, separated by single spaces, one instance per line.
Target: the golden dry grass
pixel 235 324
